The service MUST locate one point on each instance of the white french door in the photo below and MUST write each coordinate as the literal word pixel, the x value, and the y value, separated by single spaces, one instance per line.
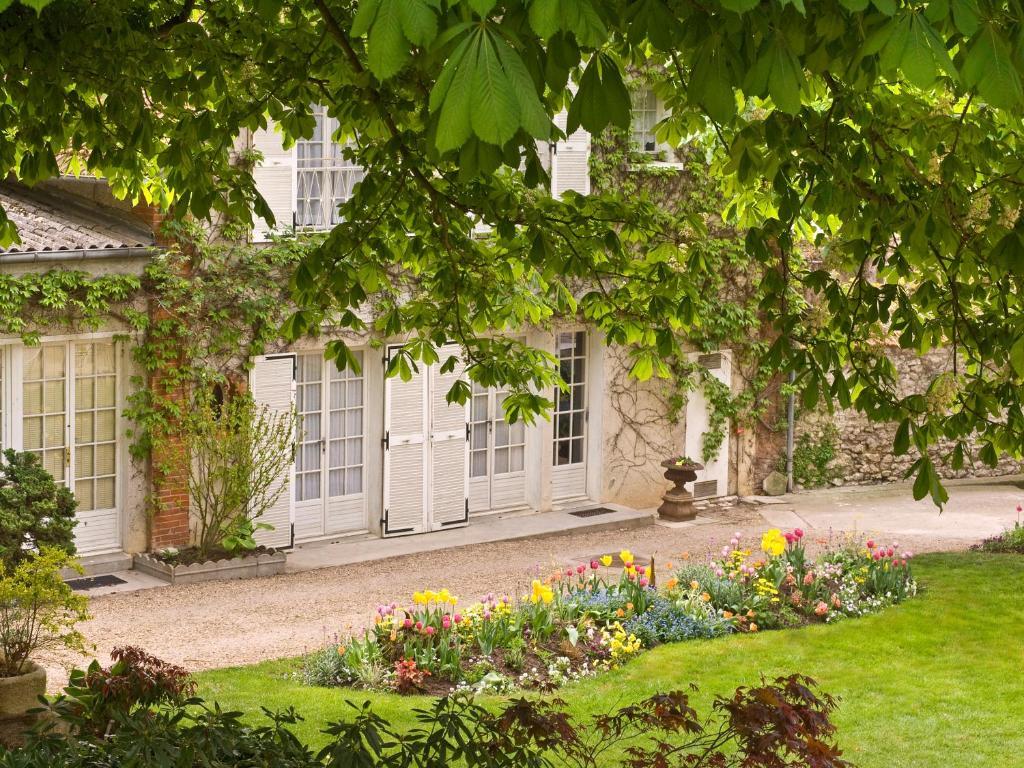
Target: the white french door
pixel 569 449
pixel 497 454
pixel 59 400
pixel 329 462
pixel 425 450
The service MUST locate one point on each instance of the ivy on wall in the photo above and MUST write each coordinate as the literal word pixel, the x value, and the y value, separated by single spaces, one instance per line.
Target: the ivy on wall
pixel 198 315
pixel 730 293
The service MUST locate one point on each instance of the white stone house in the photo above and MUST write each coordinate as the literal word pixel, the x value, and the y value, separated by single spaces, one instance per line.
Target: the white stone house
pixel 373 457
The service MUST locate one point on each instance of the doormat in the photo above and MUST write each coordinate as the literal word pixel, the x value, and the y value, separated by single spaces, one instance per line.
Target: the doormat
pixel 594 512
pixel 92 582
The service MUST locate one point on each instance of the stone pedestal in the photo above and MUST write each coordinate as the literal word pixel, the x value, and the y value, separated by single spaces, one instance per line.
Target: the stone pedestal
pixel 678 502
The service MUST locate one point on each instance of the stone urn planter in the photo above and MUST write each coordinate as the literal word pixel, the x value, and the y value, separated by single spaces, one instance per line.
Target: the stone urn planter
pixel 677 504
pixel 18 695
pixel 248 567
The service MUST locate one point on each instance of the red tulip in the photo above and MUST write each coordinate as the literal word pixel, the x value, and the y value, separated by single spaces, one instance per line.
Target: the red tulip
pixel 594 565
pixel 870 544
pixel 581 569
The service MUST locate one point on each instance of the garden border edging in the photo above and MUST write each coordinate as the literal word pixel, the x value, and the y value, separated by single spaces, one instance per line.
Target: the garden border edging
pixel 248 567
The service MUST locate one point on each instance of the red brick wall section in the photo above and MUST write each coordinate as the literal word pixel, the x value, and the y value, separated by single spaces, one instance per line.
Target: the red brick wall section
pixel 169 526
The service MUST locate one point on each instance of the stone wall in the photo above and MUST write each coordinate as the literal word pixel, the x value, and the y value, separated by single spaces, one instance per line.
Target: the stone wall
pixel 864 449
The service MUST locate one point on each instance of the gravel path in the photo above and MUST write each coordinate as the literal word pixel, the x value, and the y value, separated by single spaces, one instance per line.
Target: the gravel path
pixel 229 623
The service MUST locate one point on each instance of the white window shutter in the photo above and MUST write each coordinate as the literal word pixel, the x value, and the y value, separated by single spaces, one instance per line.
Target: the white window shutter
pixel 405 453
pixel 449 454
pixel 275 180
pixel 713 480
pixel 272 383
pixel 570 160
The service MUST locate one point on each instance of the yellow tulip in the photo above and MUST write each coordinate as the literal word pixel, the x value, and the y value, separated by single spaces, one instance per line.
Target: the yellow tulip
pixel 606 560
pixel 419 598
pixel 626 557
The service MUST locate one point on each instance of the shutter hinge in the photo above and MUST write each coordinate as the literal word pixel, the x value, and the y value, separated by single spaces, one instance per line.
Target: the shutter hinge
pixel 386 440
pixel 467 507
pixel 467 431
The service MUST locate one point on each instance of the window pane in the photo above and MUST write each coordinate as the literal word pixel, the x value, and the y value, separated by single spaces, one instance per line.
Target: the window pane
pixel 33 398
pixel 336 453
pixel 516 458
pixel 353 452
pixel 32 433
pixel 104 459
pixel 83 461
pixel 478 464
pixel 53 361
pixel 83 427
pixel 355 393
pixel 84 394
pixel 53 396
pixel 577 451
pixel 105 421
pixel 53 431
pixel 354 480
pixel 336 482
pixel 83 494
pixel 106 389
pixel 105 493
pixel 104 358
pixel 354 422
pixel 500 461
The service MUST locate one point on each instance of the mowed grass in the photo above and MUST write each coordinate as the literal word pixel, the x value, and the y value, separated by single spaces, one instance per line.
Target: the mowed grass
pixel 935 682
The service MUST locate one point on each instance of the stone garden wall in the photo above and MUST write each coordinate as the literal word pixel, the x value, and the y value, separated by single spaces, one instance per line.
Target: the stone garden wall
pixel 864 449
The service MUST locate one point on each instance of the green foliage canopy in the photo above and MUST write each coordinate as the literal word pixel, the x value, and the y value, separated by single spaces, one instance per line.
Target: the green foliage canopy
pixel 886 133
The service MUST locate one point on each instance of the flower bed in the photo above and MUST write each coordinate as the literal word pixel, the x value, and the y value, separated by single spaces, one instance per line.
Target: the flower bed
pixel 592 617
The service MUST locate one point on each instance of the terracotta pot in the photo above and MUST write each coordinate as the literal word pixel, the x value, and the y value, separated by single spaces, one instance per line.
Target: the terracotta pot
pixel 21 693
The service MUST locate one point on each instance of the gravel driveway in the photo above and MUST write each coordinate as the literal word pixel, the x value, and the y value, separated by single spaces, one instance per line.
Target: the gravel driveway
pixel 228 623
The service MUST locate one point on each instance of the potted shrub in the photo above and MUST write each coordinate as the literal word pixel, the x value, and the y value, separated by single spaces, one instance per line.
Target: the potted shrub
pixel 236 451
pixel 38 612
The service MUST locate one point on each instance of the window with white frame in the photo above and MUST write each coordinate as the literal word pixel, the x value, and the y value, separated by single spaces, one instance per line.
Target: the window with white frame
pixel 571 404
pixel 644 119
pixel 324 177
pixel 329 462
pixel 68 404
pixel 496 447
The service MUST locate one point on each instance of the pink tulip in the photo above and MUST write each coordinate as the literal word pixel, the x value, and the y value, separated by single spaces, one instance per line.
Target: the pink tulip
pixel 429 630
pixel 407 623
pixel 581 569
pixel 594 565
pixel 643 582
pixel 458 618
pixel 870 544
pixel 798 532
pixel 419 625
pixel 568 571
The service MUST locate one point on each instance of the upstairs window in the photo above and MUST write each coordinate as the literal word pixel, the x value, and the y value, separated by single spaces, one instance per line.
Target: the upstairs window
pixel 324 177
pixel 646 114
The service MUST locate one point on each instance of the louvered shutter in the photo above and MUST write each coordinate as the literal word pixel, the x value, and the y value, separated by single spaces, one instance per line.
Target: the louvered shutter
pixel 449 454
pixel 713 480
pixel 405 452
pixel 272 383
pixel 570 161
pixel 275 180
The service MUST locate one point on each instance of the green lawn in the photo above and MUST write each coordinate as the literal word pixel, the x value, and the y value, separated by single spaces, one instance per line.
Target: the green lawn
pixel 936 681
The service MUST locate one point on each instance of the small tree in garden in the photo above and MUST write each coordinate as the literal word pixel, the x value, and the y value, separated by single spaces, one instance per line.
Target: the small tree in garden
pixel 35 511
pixel 237 453
pixel 38 610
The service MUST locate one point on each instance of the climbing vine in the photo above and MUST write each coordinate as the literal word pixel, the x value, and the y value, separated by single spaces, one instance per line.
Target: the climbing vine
pixel 197 314
pixel 730 293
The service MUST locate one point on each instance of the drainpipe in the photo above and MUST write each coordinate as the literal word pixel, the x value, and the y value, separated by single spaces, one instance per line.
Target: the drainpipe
pixel 790 429
pixel 78 254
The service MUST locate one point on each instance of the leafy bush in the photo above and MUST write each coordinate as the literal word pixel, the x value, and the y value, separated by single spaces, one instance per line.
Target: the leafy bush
pixel 666 622
pixel 785 722
pixel 35 511
pixel 97 700
pixel 236 452
pixel 38 610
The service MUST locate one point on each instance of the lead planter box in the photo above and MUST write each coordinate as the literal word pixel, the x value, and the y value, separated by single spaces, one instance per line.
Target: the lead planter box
pixel 248 567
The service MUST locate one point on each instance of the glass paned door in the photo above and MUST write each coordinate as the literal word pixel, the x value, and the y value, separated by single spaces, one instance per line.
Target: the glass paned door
pixel 497 453
pixel 44 407
pixel 95 425
pixel 571 405
pixel 329 462
pixel 325 178
pixel 569 449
